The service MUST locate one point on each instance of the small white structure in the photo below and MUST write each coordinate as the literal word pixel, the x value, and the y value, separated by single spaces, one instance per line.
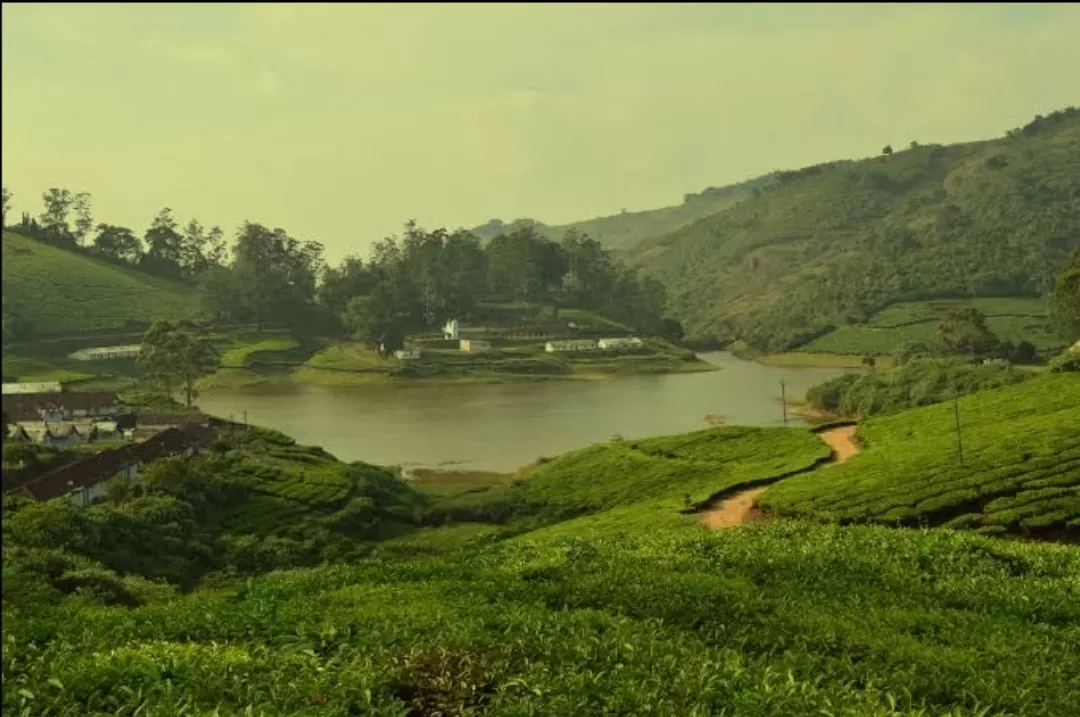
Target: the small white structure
pixel 104 353
pixel 630 342
pixel 455 331
pixel 24 388
pixel 553 347
pixel 474 346
pixel 407 354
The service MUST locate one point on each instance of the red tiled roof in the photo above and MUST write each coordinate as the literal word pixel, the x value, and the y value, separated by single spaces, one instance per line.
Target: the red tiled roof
pixel 102 466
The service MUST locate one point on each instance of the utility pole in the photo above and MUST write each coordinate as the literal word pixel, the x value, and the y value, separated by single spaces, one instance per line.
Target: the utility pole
pixel 783 398
pixel 956 414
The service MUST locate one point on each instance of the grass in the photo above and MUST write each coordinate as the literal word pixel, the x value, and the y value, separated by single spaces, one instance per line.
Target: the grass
pixel 1013 320
pixel 60 291
pixel 1020 471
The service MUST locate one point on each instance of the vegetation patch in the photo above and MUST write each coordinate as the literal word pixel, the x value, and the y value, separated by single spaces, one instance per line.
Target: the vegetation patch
pixel 1019 472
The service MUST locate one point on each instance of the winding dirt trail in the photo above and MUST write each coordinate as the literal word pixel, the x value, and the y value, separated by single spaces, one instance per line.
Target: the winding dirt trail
pixel 740 508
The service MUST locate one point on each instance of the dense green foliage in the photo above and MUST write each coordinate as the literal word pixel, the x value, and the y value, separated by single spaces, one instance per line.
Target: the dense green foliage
pixel 832 244
pixel 599 596
pixel 1020 470
pixel 1067 296
pixel 177 354
pixel 256 502
pixel 53 290
pixel 919 381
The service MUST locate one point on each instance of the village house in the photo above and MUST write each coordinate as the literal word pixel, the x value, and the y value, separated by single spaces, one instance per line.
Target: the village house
pixel 106 353
pixel 474 346
pixel 85 481
pixel 570 345
pixel 614 344
pixel 60 406
pixel 454 331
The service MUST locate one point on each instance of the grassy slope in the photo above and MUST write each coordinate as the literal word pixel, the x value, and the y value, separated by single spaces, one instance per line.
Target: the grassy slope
pixel 1021 470
pixel 60 291
pixel 622 231
pixel 1012 320
pixel 631 610
pixel 965 220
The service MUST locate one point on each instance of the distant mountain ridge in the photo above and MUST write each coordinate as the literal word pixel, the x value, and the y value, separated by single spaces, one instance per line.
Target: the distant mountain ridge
pixel 620 232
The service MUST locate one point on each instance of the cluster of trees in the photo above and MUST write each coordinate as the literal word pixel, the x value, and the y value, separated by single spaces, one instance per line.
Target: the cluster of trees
pixel 165 249
pixel 419 281
pixel 964 331
pixel 410 283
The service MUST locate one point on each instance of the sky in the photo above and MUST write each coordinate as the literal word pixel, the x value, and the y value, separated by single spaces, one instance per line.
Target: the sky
pixel 340 123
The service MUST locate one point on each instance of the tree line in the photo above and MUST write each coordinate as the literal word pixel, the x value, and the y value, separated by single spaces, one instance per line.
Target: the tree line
pixel 410 283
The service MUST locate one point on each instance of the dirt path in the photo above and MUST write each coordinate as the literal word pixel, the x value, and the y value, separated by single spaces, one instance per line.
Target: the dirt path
pixel 740 508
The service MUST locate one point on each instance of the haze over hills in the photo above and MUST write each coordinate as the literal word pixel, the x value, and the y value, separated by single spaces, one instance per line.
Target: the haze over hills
pixel 624 230
pixel 784 258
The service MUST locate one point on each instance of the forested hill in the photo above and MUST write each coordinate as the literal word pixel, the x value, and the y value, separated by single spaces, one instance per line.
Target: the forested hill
pixel 829 245
pixel 622 231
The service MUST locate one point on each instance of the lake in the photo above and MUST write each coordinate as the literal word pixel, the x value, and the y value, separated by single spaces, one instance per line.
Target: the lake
pixel 501 427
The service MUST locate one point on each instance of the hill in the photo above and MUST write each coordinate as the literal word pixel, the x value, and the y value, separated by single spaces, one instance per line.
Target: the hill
pixel 831 245
pixel 622 231
pixel 628 608
pixel 1020 471
pixel 58 291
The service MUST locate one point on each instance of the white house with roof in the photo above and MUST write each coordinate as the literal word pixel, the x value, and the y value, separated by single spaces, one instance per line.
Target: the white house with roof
pixel 105 353
pixel 570 346
pixel 454 330
pixel 29 388
pixel 615 344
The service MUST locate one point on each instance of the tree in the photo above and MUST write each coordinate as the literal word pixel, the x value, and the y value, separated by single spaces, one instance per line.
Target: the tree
pixel 886 150
pixel 275 276
pixel 1066 306
pixel 177 353
pixel 84 222
pixel 164 244
pixel 964 330
pixel 5 204
pixel 54 220
pixel 118 243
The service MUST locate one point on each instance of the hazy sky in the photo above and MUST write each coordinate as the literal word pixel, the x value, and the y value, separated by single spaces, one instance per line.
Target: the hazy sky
pixel 340 122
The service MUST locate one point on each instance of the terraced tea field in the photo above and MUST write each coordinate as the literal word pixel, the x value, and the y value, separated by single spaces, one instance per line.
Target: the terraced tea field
pixel 1012 320
pixel 1020 472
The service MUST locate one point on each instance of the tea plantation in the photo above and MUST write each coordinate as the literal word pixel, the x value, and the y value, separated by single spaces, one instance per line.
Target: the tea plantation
pixel 591 587
pixel 1020 471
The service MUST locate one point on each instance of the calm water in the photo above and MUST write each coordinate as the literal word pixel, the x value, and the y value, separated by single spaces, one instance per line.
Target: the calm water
pixel 505 426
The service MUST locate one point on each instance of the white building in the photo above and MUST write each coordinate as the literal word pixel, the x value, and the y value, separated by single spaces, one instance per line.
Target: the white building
pixel 104 353
pixel 631 342
pixel 23 388
pixel 474 346
pixel 454 330
pixel 569 346
pixel 407 354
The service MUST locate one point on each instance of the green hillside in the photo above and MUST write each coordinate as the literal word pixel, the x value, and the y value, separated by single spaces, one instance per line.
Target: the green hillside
pixel 619 603
pixel 830 245
pixel 58 291
pixel 1012 320
pixel 1020 471
pixel 622 231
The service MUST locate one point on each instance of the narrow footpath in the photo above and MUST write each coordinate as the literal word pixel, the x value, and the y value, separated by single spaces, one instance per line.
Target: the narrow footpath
pixel 740 508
